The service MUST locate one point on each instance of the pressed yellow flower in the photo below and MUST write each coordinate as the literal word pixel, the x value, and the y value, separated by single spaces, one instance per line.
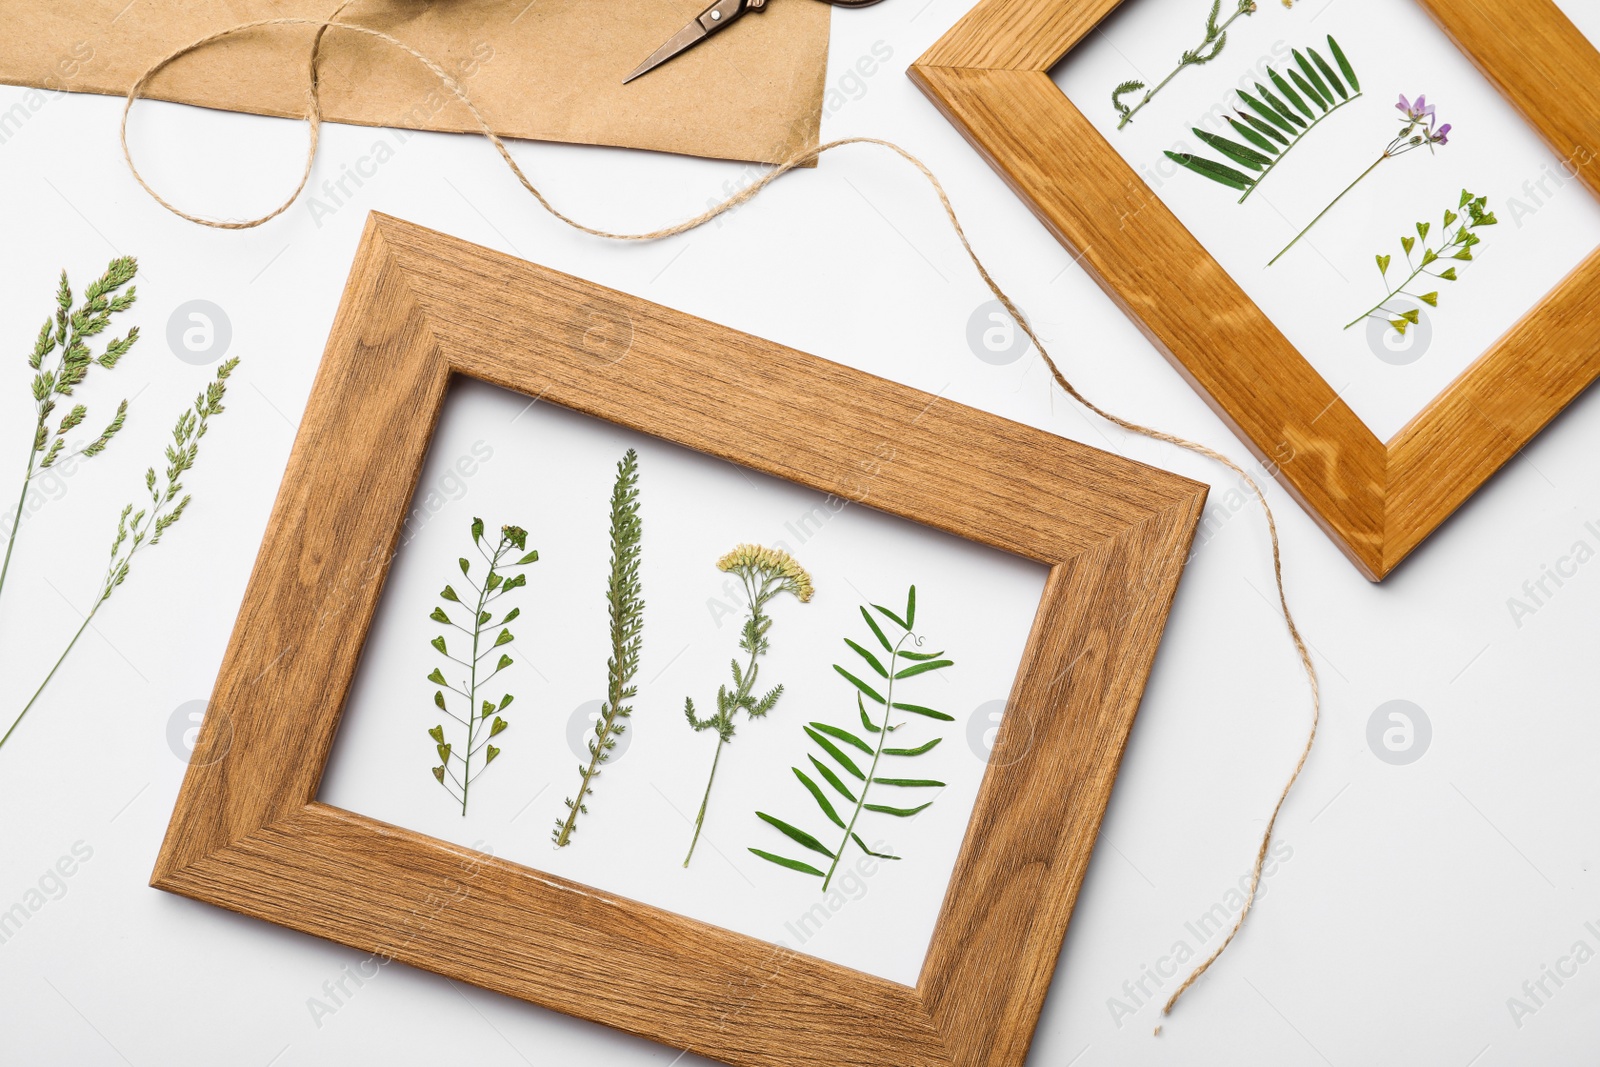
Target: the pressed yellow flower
pixel 769 563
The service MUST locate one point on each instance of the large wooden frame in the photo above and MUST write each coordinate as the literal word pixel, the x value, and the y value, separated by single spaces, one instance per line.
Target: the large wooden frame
pixel 1378 500
pixel 248 833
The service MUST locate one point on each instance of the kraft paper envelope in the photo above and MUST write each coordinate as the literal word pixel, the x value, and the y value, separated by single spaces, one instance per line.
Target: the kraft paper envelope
pixel 545 70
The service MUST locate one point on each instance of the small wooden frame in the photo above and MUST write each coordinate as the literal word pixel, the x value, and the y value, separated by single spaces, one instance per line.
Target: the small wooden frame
pixel 990 76
pixel 248 833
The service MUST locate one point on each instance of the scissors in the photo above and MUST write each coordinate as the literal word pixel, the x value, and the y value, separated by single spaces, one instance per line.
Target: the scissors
pixel 711 20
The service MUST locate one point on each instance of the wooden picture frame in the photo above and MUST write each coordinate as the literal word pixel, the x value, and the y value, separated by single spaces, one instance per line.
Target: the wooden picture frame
pixel 990 76
pixel 248 833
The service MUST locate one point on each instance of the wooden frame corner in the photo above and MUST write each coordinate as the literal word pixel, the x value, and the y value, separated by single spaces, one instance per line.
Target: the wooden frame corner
pixel 990 76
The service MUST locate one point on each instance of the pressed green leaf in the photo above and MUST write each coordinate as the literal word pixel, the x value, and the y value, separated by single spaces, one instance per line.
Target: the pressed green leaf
pixel 918 709
pixel 833 779
pixel 1264 128
pixel 439 616
pixel 907 781
pixel 919 750
pixel 531 557
pixel 1282 108
pixel 437 677
pixel 1344 64
pixel 1315 78
pixel 505 638
pixel 1327 72
pixel 922 668
pixel 891 616
pixel 859 684
pixel 477 529
pixel 450 594
pixel 1251 135
pixel 512 614
pixel 919 655
pixel 437 733
pixel 911 608
pixel 1215 171
pixel 1287 90
pixel 1408 243
pixel 438 699
pixel 793 865
pixel 438 643
pixel 795 834
pixel 1431 299
pixel 833 750
pixel 843 735
pixel 1422 230
pixel 1383 264
pixel 866 720
pixel 877 630
pixel 1307 91
pixel 465 566
pixel 1266 111
pixel 817 795
pixel 1242 154
pixel 872 661
pixel 863 845
pixel 902 813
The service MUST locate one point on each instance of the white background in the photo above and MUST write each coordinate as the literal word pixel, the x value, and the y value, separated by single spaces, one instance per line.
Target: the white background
pixel 1417 898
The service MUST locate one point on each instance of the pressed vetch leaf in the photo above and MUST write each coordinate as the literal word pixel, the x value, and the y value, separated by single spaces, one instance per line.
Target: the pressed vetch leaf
pixel 1288 91
pixel 833 779
pixel 872 661
pixel 859 684
pixel 1215 171
pixel 1344 64
pixel 1251 135
pixel 922 668
pixel 891 616
pixel 1314 77
pixel 918 709
pixel 1240 154
pixel 919 750
pixel 1327 72
pixel 817 795
pixel 838 754
pixel 863 846
pixel 783 861
pixel 877 630
pixel 843 735
pixel 795 834
pixel 902 813
pixel 907 781
pixel 1271 114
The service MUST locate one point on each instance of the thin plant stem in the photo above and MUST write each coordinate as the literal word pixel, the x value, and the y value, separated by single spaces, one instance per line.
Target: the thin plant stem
pixel 883 735
pixel 1293 145
pixel 472 686
pixel 1329 208
pixel 16 520
pixel 1179 69
pixel 758 597
pixel 1397 291
pixel 62 659
pixel 699 820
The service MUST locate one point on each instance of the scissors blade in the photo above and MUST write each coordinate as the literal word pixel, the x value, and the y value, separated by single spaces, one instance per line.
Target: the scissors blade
pixel 709 21
pixel 685 38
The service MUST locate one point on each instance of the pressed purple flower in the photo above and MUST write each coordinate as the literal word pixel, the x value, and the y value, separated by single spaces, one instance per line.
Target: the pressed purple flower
pixel 1419 112
pixel 1441 135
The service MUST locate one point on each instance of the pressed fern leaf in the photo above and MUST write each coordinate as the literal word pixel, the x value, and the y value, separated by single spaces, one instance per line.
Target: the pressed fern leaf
pixel 843 806
pixel 626 608
pixel 1276 121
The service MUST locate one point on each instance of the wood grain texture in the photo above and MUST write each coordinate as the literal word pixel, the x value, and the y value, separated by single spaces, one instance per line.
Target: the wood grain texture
pixel 419 308
pixel 990 77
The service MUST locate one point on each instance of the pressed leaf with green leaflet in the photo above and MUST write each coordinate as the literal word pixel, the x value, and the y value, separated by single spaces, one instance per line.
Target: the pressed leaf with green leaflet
pixel 1275 122
pixel 833 759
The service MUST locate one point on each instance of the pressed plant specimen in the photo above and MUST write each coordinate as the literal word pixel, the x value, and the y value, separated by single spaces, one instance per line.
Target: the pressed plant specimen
pixel 766 573
pixel 1418 129
pixel 841 785
pixel 1216 40
pixel 1452 248
pixel 482 718
pixel 626 608
pixel 65 337
pixel 1276 121
pixel 140 529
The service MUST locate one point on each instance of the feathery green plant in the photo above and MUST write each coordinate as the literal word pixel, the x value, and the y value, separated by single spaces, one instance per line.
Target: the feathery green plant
pixel 1275 127
pixel 66 335
pixel 833 740
pixel 138 530
pixel 483 721
pixel 1458 247
pixel 765 572
pixel 627 627
pixel 1205 52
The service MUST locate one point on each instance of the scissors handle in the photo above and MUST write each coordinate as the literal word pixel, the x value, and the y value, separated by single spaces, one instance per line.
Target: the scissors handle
pixel 849 3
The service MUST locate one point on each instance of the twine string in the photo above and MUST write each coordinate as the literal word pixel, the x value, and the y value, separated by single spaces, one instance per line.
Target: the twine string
pixel 314 118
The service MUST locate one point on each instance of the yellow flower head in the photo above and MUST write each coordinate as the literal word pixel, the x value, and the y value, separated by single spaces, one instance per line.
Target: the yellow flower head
pixel 769 563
